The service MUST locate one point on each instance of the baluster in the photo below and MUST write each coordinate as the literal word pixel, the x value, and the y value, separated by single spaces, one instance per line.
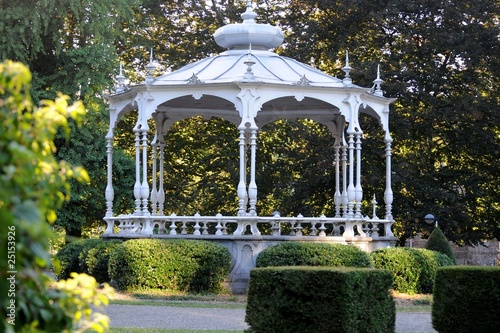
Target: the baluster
pixel 172 224
pixel 322 228
pixel 205 228
pixel 299 225
pixel 197 224
pixel 314 231
pixel 218 227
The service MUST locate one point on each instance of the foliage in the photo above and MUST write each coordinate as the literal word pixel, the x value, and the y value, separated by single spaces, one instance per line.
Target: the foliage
pixel 439 58
pixel 414 269
pixel 33 185
pixel 320 299
pixel 176 265
pixel 437 242
pixel 69 48
pixel 470 293
pixel 98 258
pixel 67 259
pixel 313 254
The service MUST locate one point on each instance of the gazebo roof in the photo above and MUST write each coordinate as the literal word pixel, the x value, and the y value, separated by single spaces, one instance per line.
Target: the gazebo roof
pixel 248 47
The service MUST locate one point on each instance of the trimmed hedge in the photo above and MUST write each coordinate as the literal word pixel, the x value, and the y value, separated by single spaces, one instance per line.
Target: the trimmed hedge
pixel 320 299
pixel 437 242
pixel 469 294
pixel 414 269
pixel 71 257
pixel 176 265
pixel 313 254
pixel 97 260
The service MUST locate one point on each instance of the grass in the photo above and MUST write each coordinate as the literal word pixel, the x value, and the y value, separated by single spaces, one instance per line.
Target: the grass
pixel 180 304
pixel 160 330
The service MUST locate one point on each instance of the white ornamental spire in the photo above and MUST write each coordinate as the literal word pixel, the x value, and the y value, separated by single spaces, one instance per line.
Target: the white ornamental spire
pixel 347 69
pixel 150 67
pixel 378 82
pixel 120 87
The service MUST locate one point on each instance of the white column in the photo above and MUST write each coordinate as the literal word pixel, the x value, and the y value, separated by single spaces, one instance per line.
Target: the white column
pixel 137 185
pixel 358 189
pixel 242 186
pixel 351 194
pixel 144 184
pixel 110 193
pixel 345 200
pixel 252 187
pixel 388 195
pixel 161 191
pixel 337 197
pixel 154 192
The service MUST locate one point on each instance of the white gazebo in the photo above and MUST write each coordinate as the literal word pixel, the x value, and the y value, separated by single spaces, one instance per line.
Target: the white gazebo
pixel 250 86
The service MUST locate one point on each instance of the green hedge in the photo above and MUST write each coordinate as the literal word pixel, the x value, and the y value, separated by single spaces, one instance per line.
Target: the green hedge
pixel 466 299
pixel 319 299
pixel 177 265
pixel 414 269
pixel 72 256
pixel 97 259
pixel 313 254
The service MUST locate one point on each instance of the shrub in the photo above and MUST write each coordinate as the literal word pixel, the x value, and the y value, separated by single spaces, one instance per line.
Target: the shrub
pixel 88 244
pixel 319 299
pixel 414 269
pixel 97 260
pixel 176 265
pixel 313 254
pixel 437 242
pixel 72 256
pixel 471 293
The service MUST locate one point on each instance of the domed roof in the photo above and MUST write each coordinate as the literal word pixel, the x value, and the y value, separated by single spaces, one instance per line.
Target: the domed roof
pixel 241 35
pixel 248 58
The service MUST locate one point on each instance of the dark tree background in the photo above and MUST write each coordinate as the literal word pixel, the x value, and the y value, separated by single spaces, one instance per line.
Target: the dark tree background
pixel 439 58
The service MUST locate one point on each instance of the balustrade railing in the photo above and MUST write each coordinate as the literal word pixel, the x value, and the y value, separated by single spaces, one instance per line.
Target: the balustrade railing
pixel 218 225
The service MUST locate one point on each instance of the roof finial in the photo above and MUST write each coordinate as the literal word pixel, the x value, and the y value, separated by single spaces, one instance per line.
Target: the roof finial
pixel 120 87
pixel 347 80
pixel 249 15
pixel 150 67
pixel 377 83
pixel 249 62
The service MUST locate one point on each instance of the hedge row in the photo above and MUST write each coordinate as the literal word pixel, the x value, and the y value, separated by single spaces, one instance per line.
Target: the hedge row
pixel 319 299
pixel 470 294
pixel 414 269
pixel 72 257
pixel 187 265
pixel 313 254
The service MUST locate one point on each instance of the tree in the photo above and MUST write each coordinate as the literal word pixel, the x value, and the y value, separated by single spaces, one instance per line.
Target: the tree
pixel 440 59
pixel 437 242
pixel 69 47
pixel 33 185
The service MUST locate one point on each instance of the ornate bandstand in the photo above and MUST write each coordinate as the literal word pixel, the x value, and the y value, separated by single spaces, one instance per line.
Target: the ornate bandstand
pixel 250 86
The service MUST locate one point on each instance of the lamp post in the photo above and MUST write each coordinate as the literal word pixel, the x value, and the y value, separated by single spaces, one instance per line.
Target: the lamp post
pixel 430 219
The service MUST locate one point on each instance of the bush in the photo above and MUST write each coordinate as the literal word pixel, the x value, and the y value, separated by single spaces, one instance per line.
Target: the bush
pixel 414 269
pixel 313 254
pixel 319 299
pixel 97 260
pixel 471 293
pixel 71 255
pixel 437 242
pixel 175 265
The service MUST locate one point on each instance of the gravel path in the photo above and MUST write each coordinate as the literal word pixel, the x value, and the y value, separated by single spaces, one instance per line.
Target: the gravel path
pixel 222 319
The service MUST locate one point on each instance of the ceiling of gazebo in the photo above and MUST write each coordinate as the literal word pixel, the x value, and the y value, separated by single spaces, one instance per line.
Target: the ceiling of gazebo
pixel 279 108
